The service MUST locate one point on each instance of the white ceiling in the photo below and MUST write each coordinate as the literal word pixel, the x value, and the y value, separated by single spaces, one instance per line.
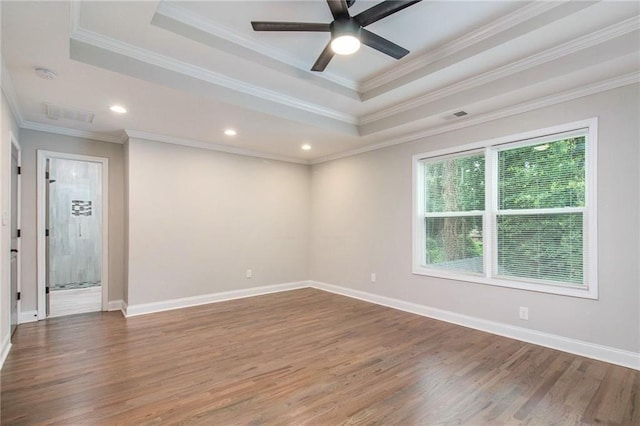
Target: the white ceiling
pixel 188 70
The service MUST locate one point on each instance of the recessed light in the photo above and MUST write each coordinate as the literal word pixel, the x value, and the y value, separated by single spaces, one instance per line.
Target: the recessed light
pixel 230 132
pixel 543 147
pixel 118 109
pixel 306 147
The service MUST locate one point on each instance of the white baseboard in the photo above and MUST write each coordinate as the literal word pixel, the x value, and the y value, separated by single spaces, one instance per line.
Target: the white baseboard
pixel 32 316
pixel 6 347
pixel 574 346
pixel 115 305
pixel 28 316
pixel 165 305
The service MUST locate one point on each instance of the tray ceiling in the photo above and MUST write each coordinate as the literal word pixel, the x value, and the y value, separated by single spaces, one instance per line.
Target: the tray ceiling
pixel 188 70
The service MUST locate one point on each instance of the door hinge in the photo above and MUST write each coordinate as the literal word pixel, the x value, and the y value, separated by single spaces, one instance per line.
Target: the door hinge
pixel 18 296
pixel 18 233
pixel 46 175
pixel 19 170
pixel 46 233
pixel 46 290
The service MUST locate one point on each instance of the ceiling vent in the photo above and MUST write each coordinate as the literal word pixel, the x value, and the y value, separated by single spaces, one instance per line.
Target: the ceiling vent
pixel 452 116
pixel 46 73
pixel 57 112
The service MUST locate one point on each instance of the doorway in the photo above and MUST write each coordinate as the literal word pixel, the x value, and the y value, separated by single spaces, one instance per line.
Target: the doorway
pixel 73 243
pixel 15 233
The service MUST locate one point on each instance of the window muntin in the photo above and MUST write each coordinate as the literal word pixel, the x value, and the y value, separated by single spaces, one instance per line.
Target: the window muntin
pixel 531 218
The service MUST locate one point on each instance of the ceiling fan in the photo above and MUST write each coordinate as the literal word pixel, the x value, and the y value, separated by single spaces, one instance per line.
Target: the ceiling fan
pixel 347 32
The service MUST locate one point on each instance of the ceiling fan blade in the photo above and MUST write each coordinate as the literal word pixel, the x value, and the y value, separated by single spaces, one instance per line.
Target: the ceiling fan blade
pixel 382 44
pixel 289 26
pixel 382 10
pixel 323 59
pixel 338 8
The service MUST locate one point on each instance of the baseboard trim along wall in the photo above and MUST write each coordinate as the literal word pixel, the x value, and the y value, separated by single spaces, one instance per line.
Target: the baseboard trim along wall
pixel 28 316
pixel 32 316
pixel 565 344
pixel 6 347
pixel 166 305
pixel 115 305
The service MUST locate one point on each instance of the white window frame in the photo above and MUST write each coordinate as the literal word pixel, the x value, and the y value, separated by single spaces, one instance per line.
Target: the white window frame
pixel 588 128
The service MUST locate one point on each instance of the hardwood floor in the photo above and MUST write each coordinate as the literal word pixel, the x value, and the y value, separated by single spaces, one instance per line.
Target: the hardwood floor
pixel 299 357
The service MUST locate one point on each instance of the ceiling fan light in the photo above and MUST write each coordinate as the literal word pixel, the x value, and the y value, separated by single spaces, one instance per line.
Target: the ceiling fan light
pixel 345 44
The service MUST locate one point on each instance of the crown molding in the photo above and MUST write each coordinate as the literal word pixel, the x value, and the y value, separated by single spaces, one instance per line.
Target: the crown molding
pixel 59 130
pixel 74 16
pixel 10 93
pixel 517 17
pixel 589 40
pixel 137 134
pixel 107 43
pixel 186 17
pixel 591 89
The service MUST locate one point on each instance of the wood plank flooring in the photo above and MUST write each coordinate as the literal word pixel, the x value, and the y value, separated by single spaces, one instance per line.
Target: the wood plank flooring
pixel 299 357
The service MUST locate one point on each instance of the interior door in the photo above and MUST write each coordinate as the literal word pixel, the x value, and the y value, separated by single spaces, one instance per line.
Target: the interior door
pixel 14 236
pixel 47 214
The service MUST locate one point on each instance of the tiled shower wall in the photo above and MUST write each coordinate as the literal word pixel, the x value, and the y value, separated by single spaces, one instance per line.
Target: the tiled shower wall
pixel 75 208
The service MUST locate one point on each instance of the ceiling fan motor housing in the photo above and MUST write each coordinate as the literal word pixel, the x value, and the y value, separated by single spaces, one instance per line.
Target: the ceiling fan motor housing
pixel 345 26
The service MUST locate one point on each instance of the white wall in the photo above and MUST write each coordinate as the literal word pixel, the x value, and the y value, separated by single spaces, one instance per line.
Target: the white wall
pixel 31 141
pixel 361 223
pixel 199 219
pixel 8 126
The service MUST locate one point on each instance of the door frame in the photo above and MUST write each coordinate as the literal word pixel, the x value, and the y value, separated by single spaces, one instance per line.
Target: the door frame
pixel 42 156
pixel 15 144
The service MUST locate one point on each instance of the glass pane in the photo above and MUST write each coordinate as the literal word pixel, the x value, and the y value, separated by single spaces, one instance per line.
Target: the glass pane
pixel 543 247
pixel 454 243
pixel 548 175
pixel 455 184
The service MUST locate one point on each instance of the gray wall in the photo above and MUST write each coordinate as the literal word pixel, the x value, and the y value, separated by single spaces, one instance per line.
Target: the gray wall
pixel 362 212
pixel 30 142
pixel 125 278
pixel 8 125
pixel 198 219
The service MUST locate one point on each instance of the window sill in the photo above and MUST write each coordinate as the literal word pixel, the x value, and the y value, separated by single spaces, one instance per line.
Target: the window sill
pixel 558 289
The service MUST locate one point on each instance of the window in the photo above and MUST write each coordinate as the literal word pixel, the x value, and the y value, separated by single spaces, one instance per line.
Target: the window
pixel 516 212
pixel 454 209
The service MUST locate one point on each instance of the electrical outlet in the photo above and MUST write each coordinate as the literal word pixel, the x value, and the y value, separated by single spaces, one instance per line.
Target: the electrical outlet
pixel 373 277
pixel 249 273
pixel 524 313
